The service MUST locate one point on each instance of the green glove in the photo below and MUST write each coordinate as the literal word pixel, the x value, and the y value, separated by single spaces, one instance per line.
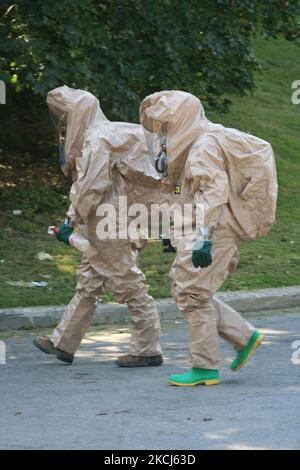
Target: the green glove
pixel 202 258
pixel 64 233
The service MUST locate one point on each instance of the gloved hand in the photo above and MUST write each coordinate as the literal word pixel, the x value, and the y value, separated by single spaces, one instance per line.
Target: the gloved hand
pixel 201 256
pixel 65 230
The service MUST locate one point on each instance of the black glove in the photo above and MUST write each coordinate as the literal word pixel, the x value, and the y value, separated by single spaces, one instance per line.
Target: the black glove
pixel 167 246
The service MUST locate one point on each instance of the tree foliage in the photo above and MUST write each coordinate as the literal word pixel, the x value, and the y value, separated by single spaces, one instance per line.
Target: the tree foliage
pixel 122 50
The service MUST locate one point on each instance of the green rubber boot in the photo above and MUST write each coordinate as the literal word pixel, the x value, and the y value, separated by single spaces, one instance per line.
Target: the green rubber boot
pixel 195 376
pixel 243 355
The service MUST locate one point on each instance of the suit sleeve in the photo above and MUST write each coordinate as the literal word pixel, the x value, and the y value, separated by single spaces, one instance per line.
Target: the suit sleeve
pixel 93 181
pixel 209 181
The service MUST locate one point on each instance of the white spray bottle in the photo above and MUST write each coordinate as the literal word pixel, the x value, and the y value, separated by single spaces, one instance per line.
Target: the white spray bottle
pixel 76 240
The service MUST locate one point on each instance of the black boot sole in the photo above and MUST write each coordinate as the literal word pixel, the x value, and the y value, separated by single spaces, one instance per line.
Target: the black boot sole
pixel 141 364
pixel 61 355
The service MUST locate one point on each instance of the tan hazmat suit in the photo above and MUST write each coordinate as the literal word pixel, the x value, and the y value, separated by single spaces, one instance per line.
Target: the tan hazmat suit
pixel 232 175
pixel 106 160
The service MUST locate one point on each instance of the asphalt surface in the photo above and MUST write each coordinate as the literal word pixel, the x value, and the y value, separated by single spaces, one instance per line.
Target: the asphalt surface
pixel 95 405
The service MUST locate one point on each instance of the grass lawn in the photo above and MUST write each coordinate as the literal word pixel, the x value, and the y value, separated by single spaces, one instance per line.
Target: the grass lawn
pixel 41 195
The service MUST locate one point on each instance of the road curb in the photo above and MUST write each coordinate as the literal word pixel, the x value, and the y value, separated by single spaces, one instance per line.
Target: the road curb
pixel 108 314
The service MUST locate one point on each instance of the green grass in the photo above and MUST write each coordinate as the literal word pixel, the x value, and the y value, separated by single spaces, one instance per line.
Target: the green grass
pixel 41 194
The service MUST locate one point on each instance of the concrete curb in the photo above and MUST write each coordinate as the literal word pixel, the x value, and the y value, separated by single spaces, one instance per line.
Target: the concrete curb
pixel 107 314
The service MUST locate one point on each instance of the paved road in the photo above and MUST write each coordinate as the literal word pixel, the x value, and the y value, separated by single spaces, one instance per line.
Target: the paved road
pixel 95 405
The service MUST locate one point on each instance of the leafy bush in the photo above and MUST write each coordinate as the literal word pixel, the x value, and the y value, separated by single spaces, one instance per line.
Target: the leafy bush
pixel 122 51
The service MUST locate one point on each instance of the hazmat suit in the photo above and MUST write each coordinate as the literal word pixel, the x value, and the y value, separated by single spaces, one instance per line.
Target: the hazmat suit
pixel 108 162
pixel 231 175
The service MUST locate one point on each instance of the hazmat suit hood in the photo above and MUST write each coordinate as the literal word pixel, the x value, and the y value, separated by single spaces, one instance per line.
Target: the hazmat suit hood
pixel 73 112
pixel 182 115
pixel 223 169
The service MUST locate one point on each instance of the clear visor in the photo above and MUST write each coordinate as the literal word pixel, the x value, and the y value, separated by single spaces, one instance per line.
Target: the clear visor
pixel 60 123
pixel 157 143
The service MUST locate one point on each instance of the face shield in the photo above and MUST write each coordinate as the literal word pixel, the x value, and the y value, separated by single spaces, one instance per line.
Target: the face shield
pixel 157 142
pixel 60 121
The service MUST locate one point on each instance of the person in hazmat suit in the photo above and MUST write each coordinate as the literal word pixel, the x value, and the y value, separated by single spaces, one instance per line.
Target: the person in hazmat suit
pixel 108 162
pixel 231 176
